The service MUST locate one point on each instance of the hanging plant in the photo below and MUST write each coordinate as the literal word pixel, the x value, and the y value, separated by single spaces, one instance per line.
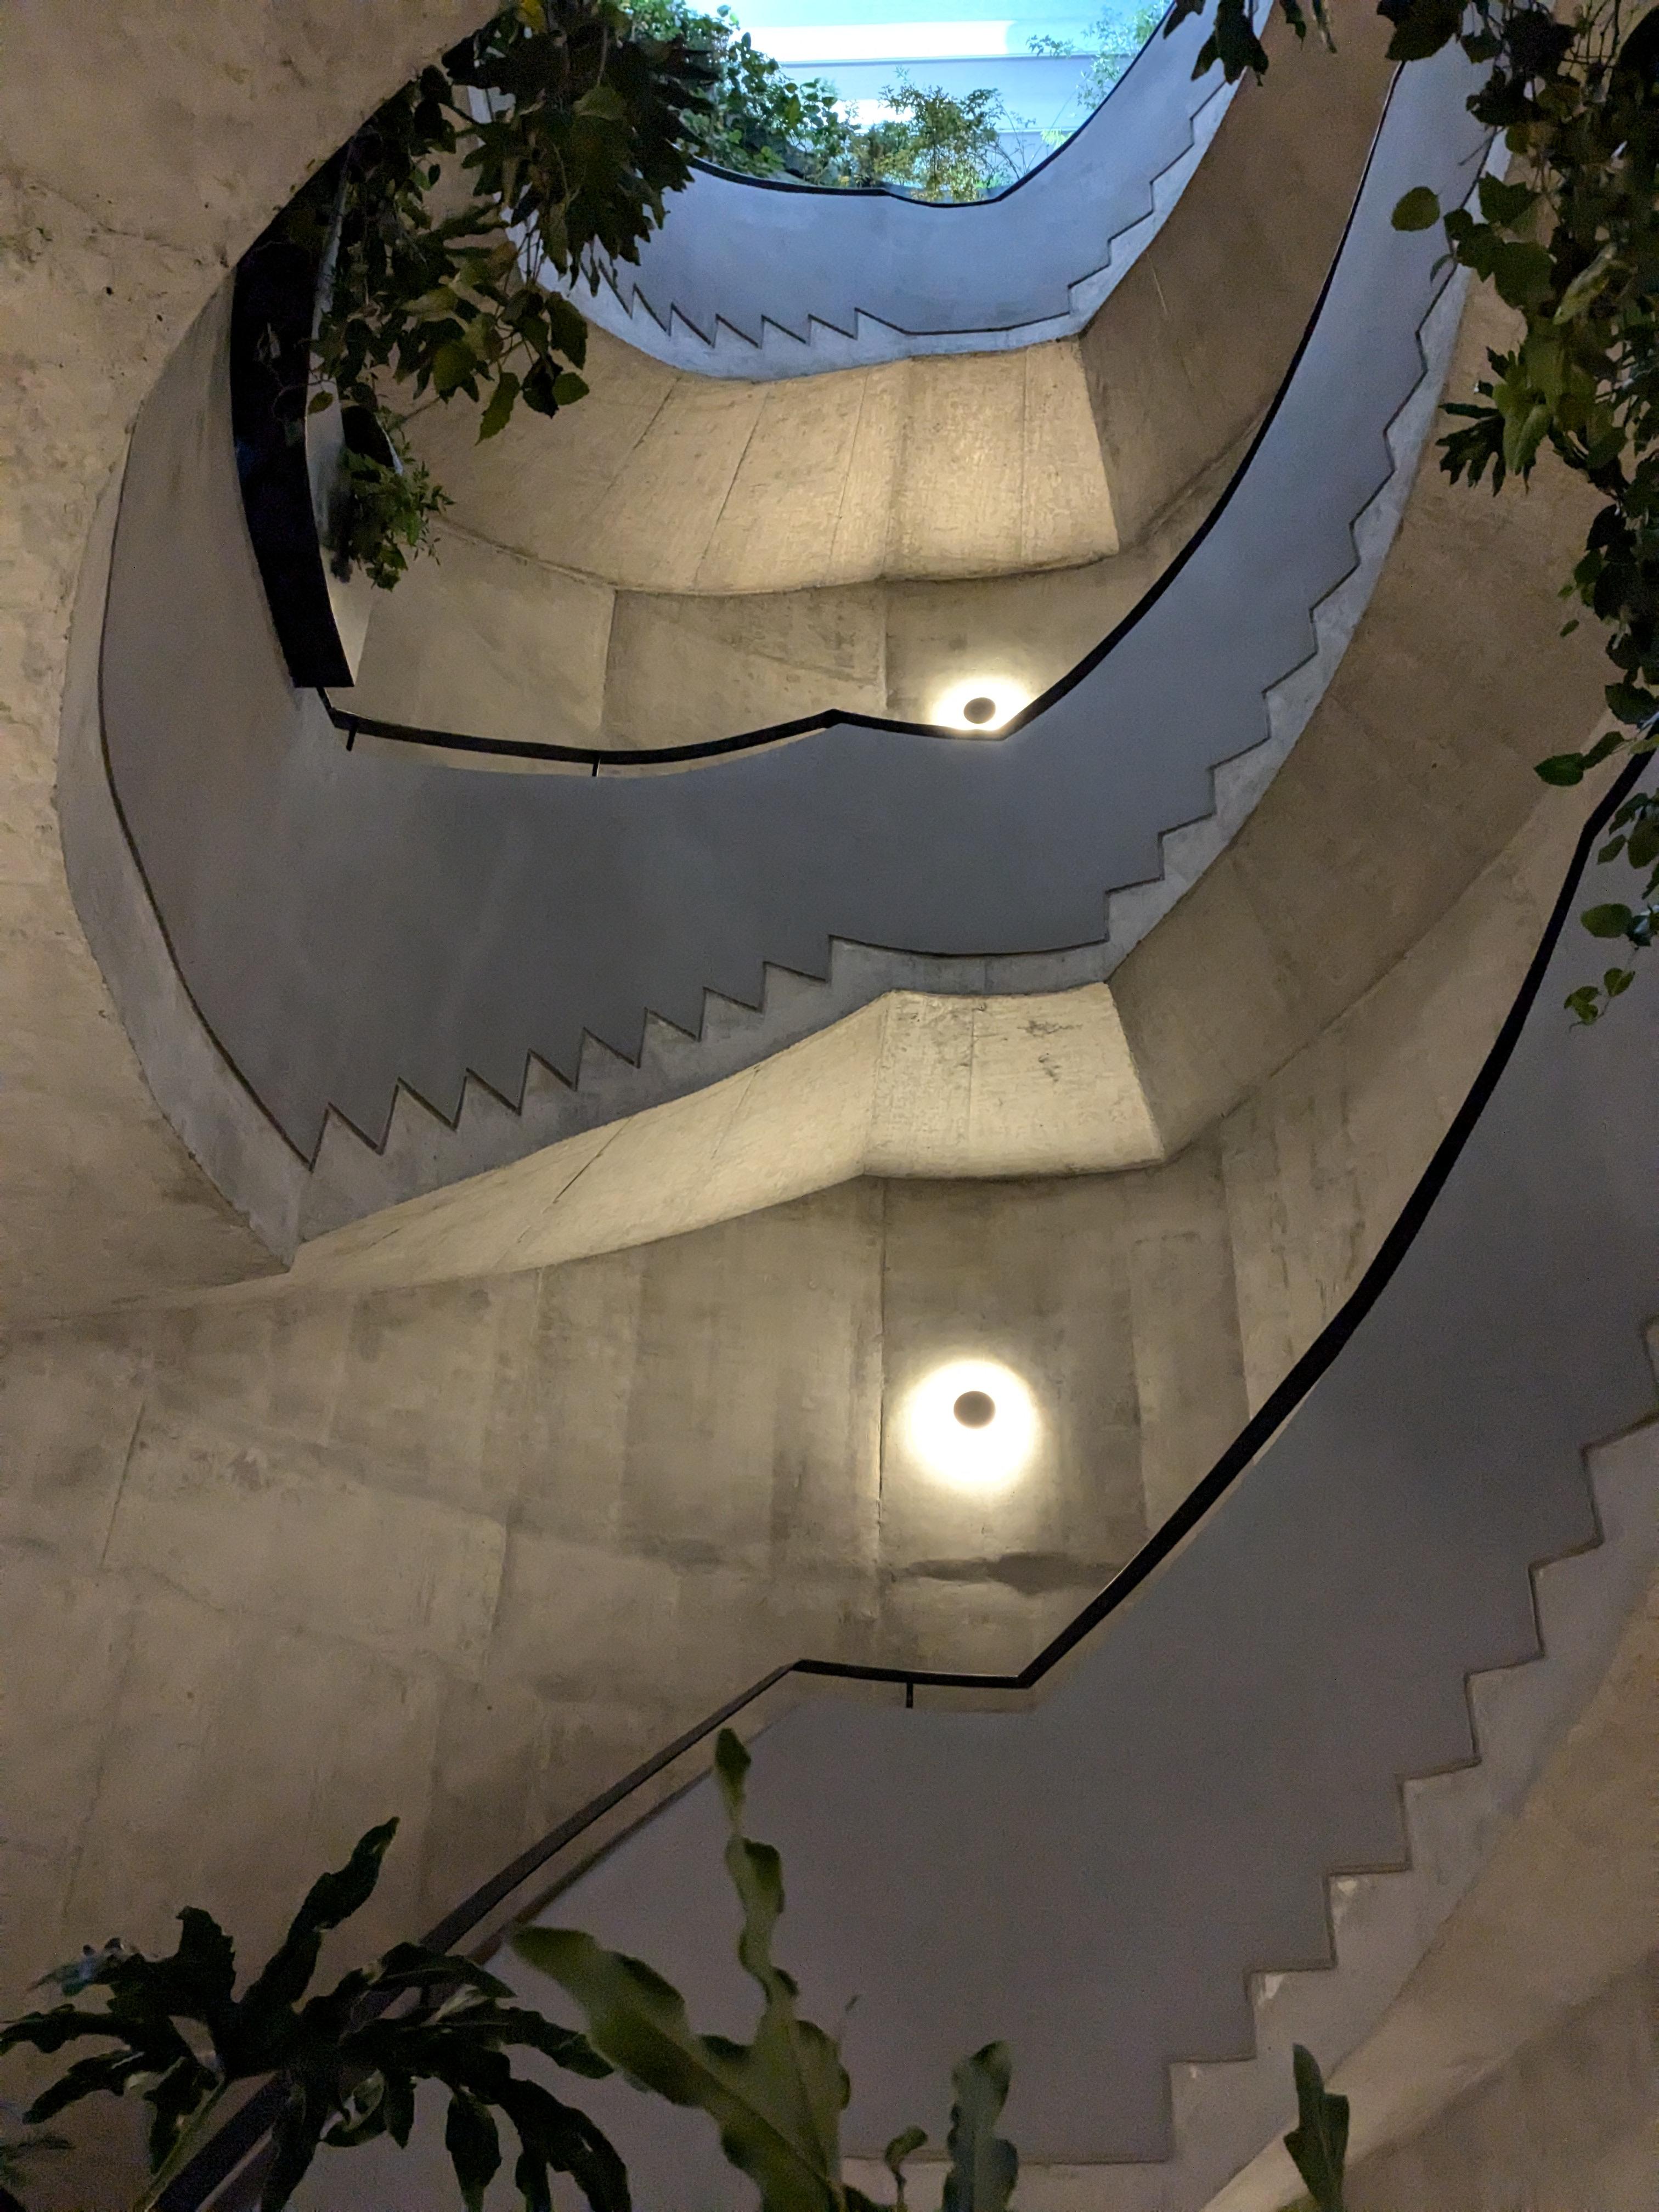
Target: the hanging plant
pixel 536 154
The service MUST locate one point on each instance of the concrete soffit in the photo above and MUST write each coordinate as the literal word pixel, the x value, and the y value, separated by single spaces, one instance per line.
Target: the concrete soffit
pixel 1026 1066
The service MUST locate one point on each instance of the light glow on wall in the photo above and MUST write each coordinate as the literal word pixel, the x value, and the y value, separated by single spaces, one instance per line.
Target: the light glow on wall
pixel 972 1424
pixel 963 706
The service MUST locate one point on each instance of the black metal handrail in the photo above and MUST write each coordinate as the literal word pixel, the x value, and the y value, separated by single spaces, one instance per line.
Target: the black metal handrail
pixel 241 2135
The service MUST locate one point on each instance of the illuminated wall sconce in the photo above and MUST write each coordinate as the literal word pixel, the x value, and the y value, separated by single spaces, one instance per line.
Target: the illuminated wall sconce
pixel 972 1424
pixel 979 704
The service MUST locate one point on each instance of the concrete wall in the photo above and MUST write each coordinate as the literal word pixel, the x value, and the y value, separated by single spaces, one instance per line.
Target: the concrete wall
pixel 140 153
pixel 494 641
pixel 1571 2121
pixel 682 557
pixel 276 1564
pixel 467 1551
pixel 982 463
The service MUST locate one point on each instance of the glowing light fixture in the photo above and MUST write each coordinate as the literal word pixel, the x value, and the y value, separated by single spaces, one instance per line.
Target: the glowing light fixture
pixel 972 1423
pixel 981 704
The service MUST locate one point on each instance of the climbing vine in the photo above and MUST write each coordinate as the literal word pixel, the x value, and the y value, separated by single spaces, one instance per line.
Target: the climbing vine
pixel 1570 240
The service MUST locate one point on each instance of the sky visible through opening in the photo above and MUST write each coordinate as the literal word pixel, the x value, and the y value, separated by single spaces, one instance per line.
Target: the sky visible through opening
pixel 861 46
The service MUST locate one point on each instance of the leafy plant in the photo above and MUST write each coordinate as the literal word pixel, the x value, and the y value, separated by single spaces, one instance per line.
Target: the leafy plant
pixel 391 501
pixel 938 145
pixel 764 123
pixel 1117 41
pixel 1319 2142
pixel 760 121
pixel 1233 42
pixel 348 2060
pixel 984 2165
pixel 776 2099
pixel 1569 241
pixel 446 232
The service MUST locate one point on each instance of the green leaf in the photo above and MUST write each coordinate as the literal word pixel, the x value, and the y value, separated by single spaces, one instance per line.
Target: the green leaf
pixel 777 2100
pixel 454 366
pixel 474 2145
pixel 1421 27
pixel 603 103
pixel 1584 1003
pixel 332 1899
pixel 1419 210
pixel 499 413
pixel 1562 768
pixel 558 2136
pixel 568 327
pixel 1522 274
pixel 110 2072
pixel 1523 435
pixel 1319 2143
pixel 638 2021
pixel 567 388
pixel 1617 981
pixel 1630 704
pixel 904 2146
pixel 983 2165
pixel 50 2031
pixel 1504 205
pixel 1610 921
pixel 1588 284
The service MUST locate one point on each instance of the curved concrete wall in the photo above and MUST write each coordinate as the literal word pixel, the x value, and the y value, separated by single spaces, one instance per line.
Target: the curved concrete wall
pixel 429 922
pixel 679 559
pixel 768 275
pixel 437 1524
pixel 1098 1879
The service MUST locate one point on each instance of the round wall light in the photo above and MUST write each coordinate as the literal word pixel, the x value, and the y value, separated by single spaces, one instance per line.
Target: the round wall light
pixel 982 704
pixel 972 1423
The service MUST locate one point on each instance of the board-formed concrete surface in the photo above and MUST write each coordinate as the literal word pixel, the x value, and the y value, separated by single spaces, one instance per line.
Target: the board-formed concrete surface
pixel 1354 1672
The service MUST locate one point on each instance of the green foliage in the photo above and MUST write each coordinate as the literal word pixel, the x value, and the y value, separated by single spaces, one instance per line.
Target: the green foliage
pixel 1319 2142
pixel 348 2059
pixel 777 2100
pixel 904 2146
pixel 539 151
pixel 758 121
pixel 938 145
pixel 983 2165
pixel 1233 42
pixel 1569 241
pixel 392 501
pixel 761 123
pixel 536 153
pixel 1117 42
